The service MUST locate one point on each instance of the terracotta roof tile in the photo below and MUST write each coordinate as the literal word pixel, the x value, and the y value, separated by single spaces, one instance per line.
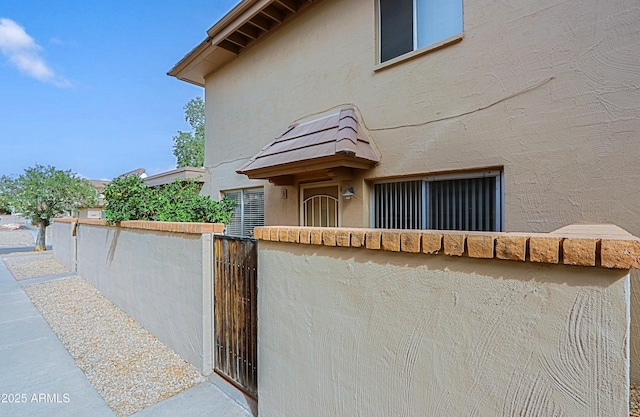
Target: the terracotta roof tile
pixel 339 135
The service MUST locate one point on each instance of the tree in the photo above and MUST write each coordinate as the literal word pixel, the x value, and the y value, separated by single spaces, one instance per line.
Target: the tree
pixel 44 192
pixel 6 185
pixel 188 147
pixel 129 198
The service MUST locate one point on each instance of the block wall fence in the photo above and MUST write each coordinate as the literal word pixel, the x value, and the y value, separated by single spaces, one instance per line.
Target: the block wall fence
pixel 159 273
pixel 389 322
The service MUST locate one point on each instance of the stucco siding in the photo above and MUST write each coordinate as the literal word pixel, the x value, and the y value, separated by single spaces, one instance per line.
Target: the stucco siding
pixel 65 244
pixel 162 280
pixel 402 335
pixel 547 90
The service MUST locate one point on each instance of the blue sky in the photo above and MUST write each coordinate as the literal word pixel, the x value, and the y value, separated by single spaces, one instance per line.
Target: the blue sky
pixel 83 84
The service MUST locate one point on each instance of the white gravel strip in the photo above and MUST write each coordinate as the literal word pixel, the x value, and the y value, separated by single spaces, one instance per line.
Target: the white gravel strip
pixel 27 267
pixel 128 366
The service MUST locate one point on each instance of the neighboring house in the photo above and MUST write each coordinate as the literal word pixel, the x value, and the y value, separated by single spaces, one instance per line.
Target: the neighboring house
pixel 155 180
pixel 140 172
pixel 168 177
pixel 94 212
pixel 490 116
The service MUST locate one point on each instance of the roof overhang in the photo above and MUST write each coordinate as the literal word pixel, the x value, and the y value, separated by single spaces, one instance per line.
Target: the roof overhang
pixel 168 177
pixel 247 22
pixel 330 147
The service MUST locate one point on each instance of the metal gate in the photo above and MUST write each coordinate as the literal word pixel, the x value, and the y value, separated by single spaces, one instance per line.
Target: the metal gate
pixel 235 311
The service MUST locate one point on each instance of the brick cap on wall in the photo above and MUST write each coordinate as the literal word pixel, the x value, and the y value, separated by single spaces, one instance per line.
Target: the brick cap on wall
pixel 175 227
pixel 600 245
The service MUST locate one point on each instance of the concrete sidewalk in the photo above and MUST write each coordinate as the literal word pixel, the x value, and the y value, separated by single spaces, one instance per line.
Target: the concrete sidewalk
pixel 38 377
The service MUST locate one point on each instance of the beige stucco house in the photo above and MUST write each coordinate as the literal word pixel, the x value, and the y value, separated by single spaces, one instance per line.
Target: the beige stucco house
pixel 542 98
pixel 460 115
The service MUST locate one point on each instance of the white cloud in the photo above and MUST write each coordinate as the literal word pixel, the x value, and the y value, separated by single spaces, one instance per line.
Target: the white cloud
pixel 23 52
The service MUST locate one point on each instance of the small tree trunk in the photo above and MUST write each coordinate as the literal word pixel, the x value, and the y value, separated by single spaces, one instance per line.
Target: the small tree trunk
pixel 41 239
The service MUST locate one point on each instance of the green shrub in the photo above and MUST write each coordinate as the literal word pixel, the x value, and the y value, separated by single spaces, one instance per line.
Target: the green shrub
pixel 130 198
pixel 126 198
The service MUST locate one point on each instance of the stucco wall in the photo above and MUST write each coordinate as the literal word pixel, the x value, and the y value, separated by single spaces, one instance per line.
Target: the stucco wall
pixel 635 327
pixel 65 243
pixel 161 279
pixel 546 89
pixel 392 334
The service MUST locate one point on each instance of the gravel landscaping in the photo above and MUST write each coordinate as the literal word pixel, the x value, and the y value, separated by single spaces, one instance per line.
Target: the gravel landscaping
pixel 634 402
pixel 127 365
pixel 34 266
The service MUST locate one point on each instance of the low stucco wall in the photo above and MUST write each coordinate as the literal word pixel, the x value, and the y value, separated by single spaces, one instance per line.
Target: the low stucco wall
pixel 161 278
pixel 635 327
pixel 350 331
pixel 64 237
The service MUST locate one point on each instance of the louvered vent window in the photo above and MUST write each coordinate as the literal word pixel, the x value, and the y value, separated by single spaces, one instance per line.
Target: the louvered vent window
pixel 462 202
pixel 249 211
pixel 398 205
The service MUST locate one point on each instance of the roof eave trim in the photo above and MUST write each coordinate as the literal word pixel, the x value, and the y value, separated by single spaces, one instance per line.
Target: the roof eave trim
pixel 231 15
pixel 228 19
pixel 301 167
pixel 188 60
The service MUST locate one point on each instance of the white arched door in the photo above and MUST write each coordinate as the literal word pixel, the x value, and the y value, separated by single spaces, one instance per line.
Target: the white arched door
pixel 319 206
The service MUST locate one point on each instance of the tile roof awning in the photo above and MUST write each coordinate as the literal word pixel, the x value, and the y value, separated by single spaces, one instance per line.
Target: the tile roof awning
pixel 317 149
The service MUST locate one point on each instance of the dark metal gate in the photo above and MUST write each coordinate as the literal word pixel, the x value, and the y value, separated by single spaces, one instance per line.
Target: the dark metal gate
pixel 235 311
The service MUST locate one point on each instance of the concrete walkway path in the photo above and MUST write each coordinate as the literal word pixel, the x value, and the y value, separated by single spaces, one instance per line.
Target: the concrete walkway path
pixel 38 377
pixel 204 399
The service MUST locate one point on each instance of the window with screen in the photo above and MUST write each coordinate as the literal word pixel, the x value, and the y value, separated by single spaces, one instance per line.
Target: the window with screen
pixel 453 202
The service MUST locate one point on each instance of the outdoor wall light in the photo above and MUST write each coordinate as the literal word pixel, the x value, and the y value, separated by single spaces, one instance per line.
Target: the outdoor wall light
pixel 348 193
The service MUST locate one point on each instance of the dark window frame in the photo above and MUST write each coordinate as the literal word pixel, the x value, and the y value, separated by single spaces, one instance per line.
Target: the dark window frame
pixel 466 202
pixel 405 26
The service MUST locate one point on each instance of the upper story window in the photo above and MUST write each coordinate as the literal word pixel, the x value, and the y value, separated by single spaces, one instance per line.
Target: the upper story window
pixel 408 25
